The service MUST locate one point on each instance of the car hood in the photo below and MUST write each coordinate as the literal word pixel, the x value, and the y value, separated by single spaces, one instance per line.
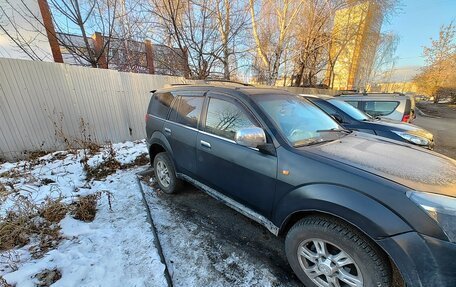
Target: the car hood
pixel 403 127
pixel 411 166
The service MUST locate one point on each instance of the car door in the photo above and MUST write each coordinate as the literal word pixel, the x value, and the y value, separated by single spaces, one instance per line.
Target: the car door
pixel 242 173
pixel 181 129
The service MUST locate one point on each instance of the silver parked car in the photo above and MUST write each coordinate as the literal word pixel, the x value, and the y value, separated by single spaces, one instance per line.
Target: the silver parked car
pixel 394 106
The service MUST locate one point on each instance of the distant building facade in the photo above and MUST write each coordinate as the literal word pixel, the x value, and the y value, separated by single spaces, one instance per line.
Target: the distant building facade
pixel 126 56
pixel 356 33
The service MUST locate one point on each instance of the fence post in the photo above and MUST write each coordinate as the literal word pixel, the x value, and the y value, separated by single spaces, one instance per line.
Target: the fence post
pixel 150 56
pixel 50 31
pixel 99 50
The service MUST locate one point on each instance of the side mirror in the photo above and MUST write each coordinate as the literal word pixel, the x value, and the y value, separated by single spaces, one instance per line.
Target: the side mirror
pixel 250 137
pixel 338 118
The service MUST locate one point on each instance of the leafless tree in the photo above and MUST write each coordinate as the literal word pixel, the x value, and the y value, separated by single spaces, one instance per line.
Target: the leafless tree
pixel 232 22
pixel 190 26
pixel 384 60
pixel 313 35
pixel 70 18
pixel 272 29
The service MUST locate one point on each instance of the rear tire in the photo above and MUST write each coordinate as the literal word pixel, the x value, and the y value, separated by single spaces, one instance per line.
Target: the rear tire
pixel 165 173
pixel 331 251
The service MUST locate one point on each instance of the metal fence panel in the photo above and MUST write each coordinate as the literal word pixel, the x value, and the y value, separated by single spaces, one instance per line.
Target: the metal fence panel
pixel 41 101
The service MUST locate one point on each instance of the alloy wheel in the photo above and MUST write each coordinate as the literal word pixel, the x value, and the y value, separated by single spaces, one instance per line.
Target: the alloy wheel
pixel 163 173
pixel 327 265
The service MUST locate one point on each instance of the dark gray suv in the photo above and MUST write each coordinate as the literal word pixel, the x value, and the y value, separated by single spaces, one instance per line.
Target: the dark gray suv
pixel 351 206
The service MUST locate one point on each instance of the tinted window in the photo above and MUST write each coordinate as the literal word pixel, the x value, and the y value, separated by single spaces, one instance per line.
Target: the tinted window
pixel 160 103
pixel 380 108
pixel 225 118
pixel 353 103
pixel 325 107
pixel 350 110
pixel 187 110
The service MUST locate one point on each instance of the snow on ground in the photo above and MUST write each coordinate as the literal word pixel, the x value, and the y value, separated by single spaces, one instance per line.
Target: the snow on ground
pixel 116 249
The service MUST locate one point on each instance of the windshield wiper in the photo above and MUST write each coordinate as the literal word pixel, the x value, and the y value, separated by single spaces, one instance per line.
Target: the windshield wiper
pixel 313 142
pixel 334 131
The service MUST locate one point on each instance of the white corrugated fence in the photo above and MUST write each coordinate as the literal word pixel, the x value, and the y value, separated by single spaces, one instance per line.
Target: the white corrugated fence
pixel 43 103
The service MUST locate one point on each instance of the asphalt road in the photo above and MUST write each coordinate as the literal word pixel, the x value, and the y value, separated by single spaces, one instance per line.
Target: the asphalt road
pixel 444 130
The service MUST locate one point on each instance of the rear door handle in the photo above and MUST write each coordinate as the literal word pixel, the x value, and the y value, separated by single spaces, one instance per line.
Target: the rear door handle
pixel 205 144
pixel 167 130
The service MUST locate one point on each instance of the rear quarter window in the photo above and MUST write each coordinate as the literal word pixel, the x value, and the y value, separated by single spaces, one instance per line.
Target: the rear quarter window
pixel 160 104
pixel 380 108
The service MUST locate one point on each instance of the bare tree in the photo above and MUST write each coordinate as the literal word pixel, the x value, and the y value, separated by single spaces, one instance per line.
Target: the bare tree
pixel 273 32
pixel 70 18
pixel 313 34
pixel 232 22
pixel 384 60
pixel 191 26
pixel 20 32
pixel 131 27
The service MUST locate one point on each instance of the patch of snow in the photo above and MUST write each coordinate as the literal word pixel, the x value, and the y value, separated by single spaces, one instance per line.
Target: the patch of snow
pixel 116 249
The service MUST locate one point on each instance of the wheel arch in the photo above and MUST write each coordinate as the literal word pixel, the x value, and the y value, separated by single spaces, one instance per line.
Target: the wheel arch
pixel 159 143
pixel 356 208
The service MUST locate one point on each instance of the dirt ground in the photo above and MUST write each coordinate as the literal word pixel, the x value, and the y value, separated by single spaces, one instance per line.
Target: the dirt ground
pixel 439 119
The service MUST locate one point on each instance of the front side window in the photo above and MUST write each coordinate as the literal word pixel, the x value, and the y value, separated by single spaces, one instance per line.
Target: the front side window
pixel 187 110
pixel 226 118
pixel 380 108
pixel 301 122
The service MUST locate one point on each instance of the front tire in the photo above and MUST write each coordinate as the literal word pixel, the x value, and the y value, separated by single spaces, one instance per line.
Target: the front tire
pixel 165 173
pixel 326 252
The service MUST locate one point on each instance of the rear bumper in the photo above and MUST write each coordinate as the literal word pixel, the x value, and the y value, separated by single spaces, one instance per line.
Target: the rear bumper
pixel 422 260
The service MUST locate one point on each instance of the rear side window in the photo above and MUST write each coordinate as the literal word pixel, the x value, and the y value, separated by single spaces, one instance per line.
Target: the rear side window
pixel 380 108
pixel 225 118
pixel 160 103
pixel 187 110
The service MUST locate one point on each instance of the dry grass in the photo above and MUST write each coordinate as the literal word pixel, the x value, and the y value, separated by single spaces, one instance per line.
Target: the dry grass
pixel 48 277
pixel 3 283
pixel 142 159
pixel 101 171
pixel 29 221
pixel 35 155
pixel 85 208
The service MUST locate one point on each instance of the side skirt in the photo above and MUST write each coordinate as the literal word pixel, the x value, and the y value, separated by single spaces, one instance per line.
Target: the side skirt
pixel 244 210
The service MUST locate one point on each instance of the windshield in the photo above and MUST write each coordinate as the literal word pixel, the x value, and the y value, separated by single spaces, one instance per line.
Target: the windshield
pixel 301 122
pixel 350 110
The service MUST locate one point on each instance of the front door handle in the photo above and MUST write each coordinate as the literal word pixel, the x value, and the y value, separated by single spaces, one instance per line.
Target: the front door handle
pixel 167 130
pixel 205 144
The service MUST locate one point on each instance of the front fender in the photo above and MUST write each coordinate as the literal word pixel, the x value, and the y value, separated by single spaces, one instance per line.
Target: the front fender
pixel 362 211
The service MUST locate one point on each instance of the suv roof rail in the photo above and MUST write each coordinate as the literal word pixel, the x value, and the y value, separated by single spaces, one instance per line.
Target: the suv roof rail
pixel 370 94
pixel 227 81
pixel 207 82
